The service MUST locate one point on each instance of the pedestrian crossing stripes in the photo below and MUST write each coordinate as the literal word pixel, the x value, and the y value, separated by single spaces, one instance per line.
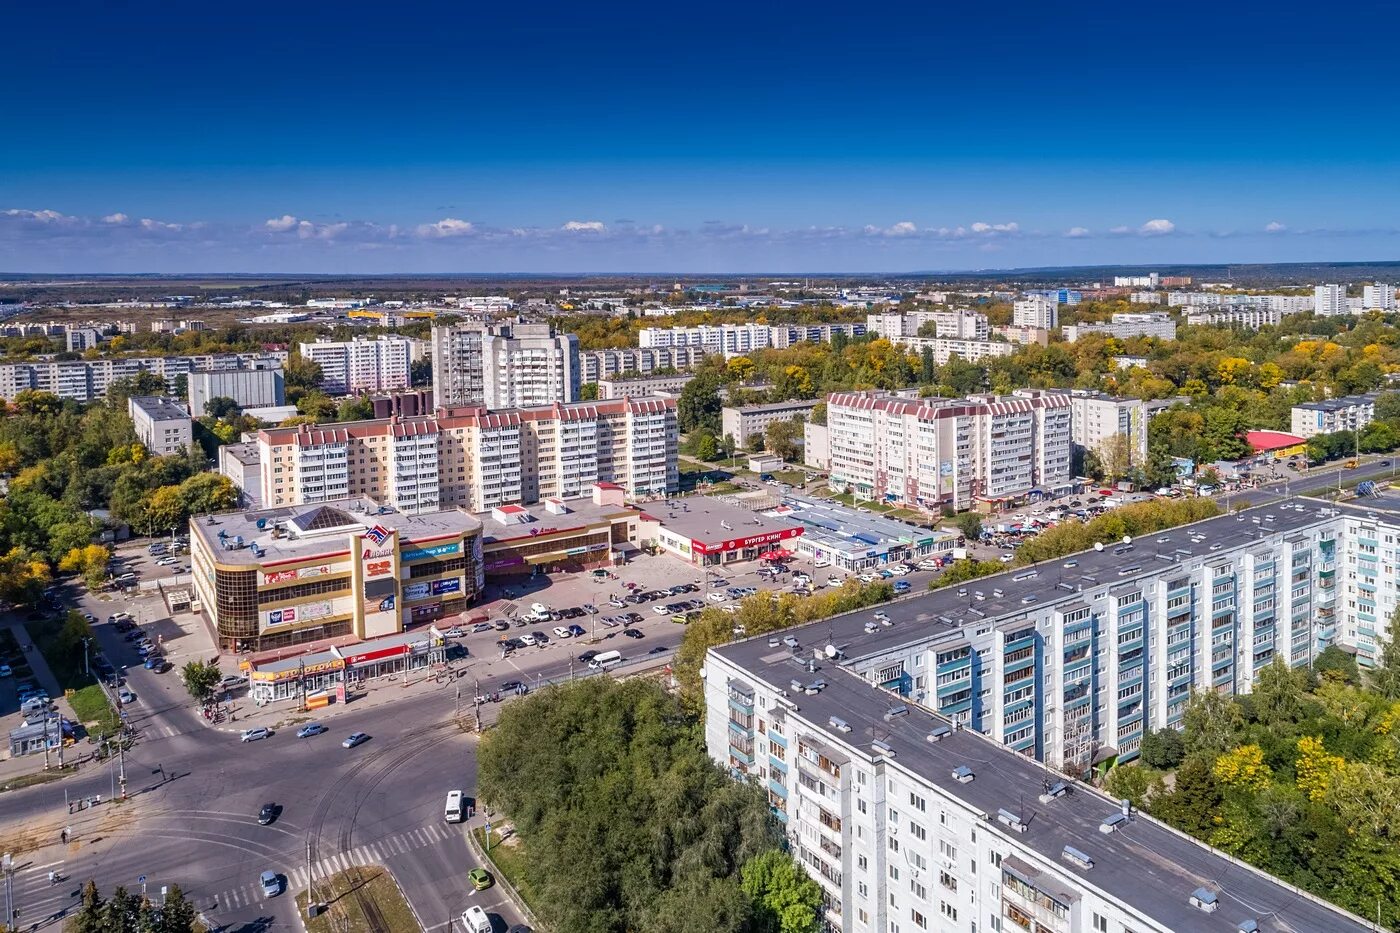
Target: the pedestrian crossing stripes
pixel 372 853
pixel 36 897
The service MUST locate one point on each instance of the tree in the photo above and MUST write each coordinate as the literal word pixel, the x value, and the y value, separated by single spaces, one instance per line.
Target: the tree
pixel 1243 768
pixel 177 914
pixel 699 405
pixel 706 447
pixel 785 898
pixel 1115 455
pixel 1277 693
pixel 221 406
pixel 1314 767
pixel 818 414
pixel 356 408
pixel 782 438
pixel 970 524
pixel 121 912
pixel 90 561
pixel 1211 723
pixel 1335 664
pixel 201 678
pixel 316 404
pixel 300 373
pixel 588 392
pixel 1194 799
pixel 1133 782
pixel 1163 748
pixel 91 910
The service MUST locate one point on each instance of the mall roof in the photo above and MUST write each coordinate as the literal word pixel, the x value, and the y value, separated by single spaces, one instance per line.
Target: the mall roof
pixel 703 518
pixel 247 537
pixel 582 512
pixel 1264 441
pixel 841 528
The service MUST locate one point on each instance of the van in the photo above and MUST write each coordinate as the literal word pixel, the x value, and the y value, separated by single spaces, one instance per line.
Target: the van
pixel 455 811
pixel 475 920
pixel 126 577
pixel 605 660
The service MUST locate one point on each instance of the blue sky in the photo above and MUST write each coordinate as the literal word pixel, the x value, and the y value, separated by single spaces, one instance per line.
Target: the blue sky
pixel 355 137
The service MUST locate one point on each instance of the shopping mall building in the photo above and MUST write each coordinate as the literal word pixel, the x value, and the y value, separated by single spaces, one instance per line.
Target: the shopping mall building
pixel 347 570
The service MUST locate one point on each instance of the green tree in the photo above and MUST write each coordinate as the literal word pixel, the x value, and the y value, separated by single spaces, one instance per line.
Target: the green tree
pixel 785 898
pixel 91 911
pixel 1194 799
pixel 1384 678
pixel 1133 782
pixel 201 678
pixel 355 408
pixel 818 414
pixel 1212 723
pixel 706 447
pixel 1277 693
pixel 970 524
pixel 221 406
pixel 121 913
pixel 588 392
pixel 301 373
pixel 1335 664
pixel 177 914
pixel 1163 748
pixel 782 438
pixel 699 404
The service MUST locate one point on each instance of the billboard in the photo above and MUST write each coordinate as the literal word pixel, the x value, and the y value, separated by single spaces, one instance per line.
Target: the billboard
pixel 443 587
pixel 437 550
pixel 379 581
pixel 306 612
pixel 416 590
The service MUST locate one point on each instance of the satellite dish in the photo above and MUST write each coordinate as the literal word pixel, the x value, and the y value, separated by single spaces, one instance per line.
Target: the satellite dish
pixel 1127 539
pixel 1098 545
pixel 831 651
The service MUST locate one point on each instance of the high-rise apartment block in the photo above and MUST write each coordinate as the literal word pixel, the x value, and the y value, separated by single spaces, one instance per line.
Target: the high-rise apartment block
pixel 1097 418
pixel 900 749
pixel 504 365
pixel 365 364
pixel 738 339
pixel 1378 296
pixel 1348 413
pixel 597 365
pixel 475 457
pixel 162 424
pixel 957 325
pixel 1329 300
pixel 1036 311
pixel 949 452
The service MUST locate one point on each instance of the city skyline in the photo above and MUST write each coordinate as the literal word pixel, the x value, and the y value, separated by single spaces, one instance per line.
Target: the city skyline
pixel 631 141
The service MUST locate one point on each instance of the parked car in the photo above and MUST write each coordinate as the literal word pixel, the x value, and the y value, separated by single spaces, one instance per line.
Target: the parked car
pixel 577 631
pixel 526 640
pixel 540 638
pixel 901 586
pixel 821 562
pixel 480 627
pixel 561 632
pixel 501 625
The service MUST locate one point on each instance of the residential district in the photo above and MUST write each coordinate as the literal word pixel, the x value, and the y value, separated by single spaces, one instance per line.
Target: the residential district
pixel 1040 606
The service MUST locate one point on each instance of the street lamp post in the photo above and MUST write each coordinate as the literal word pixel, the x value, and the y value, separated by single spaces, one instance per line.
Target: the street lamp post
pixel 7 864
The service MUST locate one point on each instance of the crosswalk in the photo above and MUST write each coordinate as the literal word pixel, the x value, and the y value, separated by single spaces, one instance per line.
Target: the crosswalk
pixel 373 853
pixel 36 898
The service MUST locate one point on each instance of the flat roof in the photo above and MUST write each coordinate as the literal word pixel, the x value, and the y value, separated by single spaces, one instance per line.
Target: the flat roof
pixel 321 527
pixel 160 408
pixel 1144 864
pixel 1337 404
pixel 793 405
pixel 698 518
pixel 582 514
pixel 245 452
pixel 923 618
pixel 841 528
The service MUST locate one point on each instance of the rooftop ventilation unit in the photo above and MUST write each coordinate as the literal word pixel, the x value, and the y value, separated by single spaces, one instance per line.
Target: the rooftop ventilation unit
pixel 1247 926
pixel 1113 823
pixel 939 733
pixel 1203 899
pixel 882 748
pixel 1010 820
pixel 1054 791
pixel 963 774
pixel 790 641
pixel 1076 857
pixel 839 724
pixel 894 712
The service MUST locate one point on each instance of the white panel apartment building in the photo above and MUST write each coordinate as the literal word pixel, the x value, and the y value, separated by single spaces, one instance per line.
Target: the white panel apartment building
pixel 1251 318
pixel 1330 300
pixel 1098 416
pixel 600 364
pixel 1036 311
pixel 739 339
pixel 476 458
pixel 959 325
pixel 902 759
pixel 945 348
pixel 365 364
pixel 86 380
pixel 1348 413
pixel 1378 295
pixel 1148 324
pixel 504 365
pixel 932 453
pixel 747 421
pixel 162 424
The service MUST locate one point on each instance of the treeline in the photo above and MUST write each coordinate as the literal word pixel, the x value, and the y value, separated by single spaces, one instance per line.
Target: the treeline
pixel 628 825
pixel 1300 777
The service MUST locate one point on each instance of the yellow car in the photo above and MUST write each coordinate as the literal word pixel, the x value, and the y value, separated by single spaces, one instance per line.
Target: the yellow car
pixel 480 878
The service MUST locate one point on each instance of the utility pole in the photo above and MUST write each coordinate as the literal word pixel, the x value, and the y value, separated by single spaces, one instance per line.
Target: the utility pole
pixel 310 881
pixel 7 864
pixel 46 740
pixel 121 763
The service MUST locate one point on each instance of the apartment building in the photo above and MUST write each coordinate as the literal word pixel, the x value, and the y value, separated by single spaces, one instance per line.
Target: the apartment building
pixel 745 422
pixel 1248 317
pixel 945 348
pixel 1348 413
pixel 1022 334
pixel 1036 311
pixel 1284 304
pixel 1148 324
pixel 936 452
pixel 959 325
pixel 1064 296
pixel 364 364
pixel 1152 280
pixel 1147 298
pixel 258 385
pixel 600 364
pixel 901 752
pixel 739 339
pixel 504 365
pixel 632 388
pixel 78 339
pixel 162 424
pixel 1096 417
pixel 474 457
pixel 1379 296
pixel 87 380
pixel 1330 300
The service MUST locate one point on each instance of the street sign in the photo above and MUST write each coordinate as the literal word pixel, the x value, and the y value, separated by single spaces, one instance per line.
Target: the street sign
pixel 141 880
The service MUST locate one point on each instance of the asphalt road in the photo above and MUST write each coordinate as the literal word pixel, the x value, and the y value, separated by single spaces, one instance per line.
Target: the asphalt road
pixel 1315 481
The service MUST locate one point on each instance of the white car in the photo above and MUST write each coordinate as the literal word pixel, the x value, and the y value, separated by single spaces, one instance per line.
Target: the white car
pixel 731 609
pixel 833 581
pixel 661 610
pixel 561 632
pixel 928 565
pixel 899 570
pixel 867 578
pixel 164 561
pixel 821 562
pixel 252 735
pixel 539 609
pixel 718 598
pixel 527 639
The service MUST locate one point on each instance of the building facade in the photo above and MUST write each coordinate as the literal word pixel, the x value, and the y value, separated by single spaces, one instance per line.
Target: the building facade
pixel 504 365
pixel 1149 324
pixel 632 388
pixel 255 386
pixel 162 424
pixel 1036 311
pixel 364 364
pixel 87 380
pixel 749 421
pixel 1379 296
pixel 601 364
pixel 1329 300
pixel 1349 413
pixel 287 576
pixel 738 339
pixel 932 453
pixel 1097 417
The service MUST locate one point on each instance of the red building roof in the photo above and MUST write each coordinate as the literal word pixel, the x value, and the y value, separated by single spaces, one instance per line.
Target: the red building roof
pixel 1264 441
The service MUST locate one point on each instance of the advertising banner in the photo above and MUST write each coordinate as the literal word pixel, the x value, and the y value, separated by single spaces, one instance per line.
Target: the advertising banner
pixel 413 591
pixel 441 587
pixel 437 550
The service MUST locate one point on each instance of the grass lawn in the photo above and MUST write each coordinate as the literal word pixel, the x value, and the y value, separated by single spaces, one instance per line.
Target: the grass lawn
pixel 795 477
pixel 359 900
pixel 90 706
pixel 510 858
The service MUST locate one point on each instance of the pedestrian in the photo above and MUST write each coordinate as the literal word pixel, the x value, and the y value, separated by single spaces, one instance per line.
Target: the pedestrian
pixel 64 835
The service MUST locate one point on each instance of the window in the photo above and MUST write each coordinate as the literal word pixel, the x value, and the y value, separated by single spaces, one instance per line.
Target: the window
pixel 916 802
pixel 1100 924
pixel 948 881
pixel 918 919
pixel 948 910
pixel 918 831
pixel 862 862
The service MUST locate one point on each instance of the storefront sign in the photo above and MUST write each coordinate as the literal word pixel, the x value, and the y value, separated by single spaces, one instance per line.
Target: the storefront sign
pixel 305 573
pixel 292 673
pixel 381 654
pixel 306 612
pixel 509 560
pixel 752 541
pixel 415 590
pixel 437 550
pixel 441 587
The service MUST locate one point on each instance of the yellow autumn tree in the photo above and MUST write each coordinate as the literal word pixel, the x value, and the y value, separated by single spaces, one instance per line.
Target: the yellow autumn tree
pixel 1314 767
pixel 1243 768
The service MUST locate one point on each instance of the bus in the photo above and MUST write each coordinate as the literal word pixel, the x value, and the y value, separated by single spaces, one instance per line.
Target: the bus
pixel 455 811
pixel 607 659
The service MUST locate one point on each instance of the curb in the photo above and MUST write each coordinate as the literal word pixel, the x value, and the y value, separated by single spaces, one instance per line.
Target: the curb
pixel 501 880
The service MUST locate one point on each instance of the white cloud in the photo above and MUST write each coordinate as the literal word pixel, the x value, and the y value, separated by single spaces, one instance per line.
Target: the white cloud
pixel 1077 232
pixel 1275 227
pixel 981 227
pixel 159 226
pixel 1118 231
pixel 41 216
pixel 117 218
pixel 280 224
pixel 1158 227
pixel 306 230
pixel 585 226
pixel 447 227
pixel 903 228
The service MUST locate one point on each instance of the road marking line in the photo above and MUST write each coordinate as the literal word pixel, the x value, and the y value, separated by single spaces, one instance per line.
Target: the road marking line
pixel 297 878
pixel 42 867
pixel 420 837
